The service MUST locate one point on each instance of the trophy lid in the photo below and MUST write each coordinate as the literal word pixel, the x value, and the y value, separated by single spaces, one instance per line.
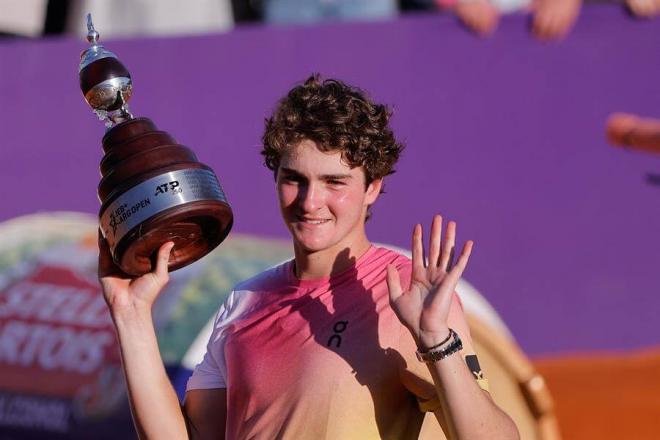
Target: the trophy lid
pixel 104 80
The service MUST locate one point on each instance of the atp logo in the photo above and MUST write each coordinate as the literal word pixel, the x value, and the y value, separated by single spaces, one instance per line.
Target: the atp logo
pixel 171 187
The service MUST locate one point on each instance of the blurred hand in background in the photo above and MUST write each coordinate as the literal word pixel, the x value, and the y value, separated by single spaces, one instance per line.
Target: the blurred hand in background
pixel 551 19
pixel 554 19
pixel 633 131
pixel 644 8
pixel 480 16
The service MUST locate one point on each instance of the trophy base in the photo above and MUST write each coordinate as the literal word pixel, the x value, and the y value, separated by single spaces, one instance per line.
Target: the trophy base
pixel 195 229
pixel 152 191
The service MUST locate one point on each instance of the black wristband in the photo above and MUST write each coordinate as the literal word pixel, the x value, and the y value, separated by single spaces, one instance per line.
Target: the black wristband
pixel 426 350
pixel 434 355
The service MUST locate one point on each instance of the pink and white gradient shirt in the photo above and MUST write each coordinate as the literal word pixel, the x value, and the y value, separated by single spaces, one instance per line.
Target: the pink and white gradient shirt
pixel 319 359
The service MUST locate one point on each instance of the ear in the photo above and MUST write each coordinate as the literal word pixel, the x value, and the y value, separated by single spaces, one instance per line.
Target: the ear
pixel 373 191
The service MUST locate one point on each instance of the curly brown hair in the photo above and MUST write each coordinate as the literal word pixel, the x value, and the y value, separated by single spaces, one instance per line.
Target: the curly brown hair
pixel 337 117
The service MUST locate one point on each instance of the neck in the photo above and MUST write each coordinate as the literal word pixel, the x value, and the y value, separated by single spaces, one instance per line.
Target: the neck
pixel 329 262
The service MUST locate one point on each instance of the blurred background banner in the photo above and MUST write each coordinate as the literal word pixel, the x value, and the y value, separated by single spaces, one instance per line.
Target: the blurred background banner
pixel 504 135
pixel 60 371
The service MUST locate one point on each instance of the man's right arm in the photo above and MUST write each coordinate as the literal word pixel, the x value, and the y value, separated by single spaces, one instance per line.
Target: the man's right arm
pixel 154 403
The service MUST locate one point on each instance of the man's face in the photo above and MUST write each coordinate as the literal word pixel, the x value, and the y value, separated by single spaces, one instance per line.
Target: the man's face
pixel 323 200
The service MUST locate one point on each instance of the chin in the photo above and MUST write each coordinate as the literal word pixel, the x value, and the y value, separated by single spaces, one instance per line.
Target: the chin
pixel 311 248
pixel 312 244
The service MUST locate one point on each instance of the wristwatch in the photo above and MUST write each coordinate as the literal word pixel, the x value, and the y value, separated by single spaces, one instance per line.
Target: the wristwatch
pixel 437 353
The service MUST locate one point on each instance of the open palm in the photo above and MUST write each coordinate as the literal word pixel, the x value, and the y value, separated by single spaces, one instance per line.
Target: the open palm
pixel 424 307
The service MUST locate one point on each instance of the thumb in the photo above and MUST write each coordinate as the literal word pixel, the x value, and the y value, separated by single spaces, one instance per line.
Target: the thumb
pixel 393 283
pixel 161 272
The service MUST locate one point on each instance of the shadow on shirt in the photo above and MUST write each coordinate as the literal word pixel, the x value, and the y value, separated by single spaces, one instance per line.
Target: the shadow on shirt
pixel 371 363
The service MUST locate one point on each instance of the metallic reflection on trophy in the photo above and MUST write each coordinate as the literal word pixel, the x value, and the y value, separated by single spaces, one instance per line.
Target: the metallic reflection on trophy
pixel 152 189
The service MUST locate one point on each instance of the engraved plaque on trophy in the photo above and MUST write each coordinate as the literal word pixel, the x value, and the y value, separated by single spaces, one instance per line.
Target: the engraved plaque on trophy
pixel 152 189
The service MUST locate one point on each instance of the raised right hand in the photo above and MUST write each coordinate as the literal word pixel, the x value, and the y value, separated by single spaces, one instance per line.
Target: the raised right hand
pixel 124 294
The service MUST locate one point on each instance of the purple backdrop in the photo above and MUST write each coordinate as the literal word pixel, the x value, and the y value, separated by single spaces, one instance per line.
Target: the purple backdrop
pixel 505 135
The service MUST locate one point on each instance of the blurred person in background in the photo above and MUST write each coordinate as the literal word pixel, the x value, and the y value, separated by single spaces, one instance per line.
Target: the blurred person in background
pixel 638 8
pixel 124 18
pixel 26 18
pixel 314 11
pixel 117 18
pixel 551 19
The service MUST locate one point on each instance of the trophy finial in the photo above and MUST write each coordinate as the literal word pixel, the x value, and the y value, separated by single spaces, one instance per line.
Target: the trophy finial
pixel 104 81
pixel 92 35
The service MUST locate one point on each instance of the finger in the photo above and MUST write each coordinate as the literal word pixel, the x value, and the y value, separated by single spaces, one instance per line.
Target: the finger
pixel 471 16
pixel 417 248
pixel 434 242
pixel 493 22
pixel 105 258
pixel 639 7
pixel 557 22
pixel 541 24
pixel 452 277
pixel 482 23
pixel 559 29
pixel 542 19
pixel 162 261
pixel 633 131
pixel 562 24
pixel 571 17
pixel 393 283
pixel 106 265
pixel 550 31
pixel 488 19
pixel 645 9
pixel 447 254
pixel 441 299
pixel 633 6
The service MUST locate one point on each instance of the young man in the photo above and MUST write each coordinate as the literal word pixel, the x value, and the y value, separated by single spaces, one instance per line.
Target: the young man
pixel 323 346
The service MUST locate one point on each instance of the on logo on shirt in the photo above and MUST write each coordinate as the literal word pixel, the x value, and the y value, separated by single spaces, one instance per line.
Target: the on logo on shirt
pixel 338 328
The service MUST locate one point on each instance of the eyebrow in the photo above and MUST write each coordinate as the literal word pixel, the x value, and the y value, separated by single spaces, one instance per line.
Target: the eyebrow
pixel 322 177
pixel 336 176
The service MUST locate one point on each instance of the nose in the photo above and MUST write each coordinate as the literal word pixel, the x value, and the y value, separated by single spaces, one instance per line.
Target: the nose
pixel 310 198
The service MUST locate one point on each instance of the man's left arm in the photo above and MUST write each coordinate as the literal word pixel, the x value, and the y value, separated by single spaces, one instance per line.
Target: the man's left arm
pixel 463 407
pixel 427 309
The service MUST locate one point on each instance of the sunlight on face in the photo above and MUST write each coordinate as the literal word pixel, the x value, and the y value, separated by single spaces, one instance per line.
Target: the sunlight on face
pixel 323 200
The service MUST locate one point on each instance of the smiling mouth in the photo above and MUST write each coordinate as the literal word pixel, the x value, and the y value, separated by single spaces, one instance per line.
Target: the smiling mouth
pixel 315 221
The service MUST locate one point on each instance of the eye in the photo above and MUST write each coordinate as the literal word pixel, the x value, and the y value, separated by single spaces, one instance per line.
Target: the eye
pixel 334 182
pixel 290 178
